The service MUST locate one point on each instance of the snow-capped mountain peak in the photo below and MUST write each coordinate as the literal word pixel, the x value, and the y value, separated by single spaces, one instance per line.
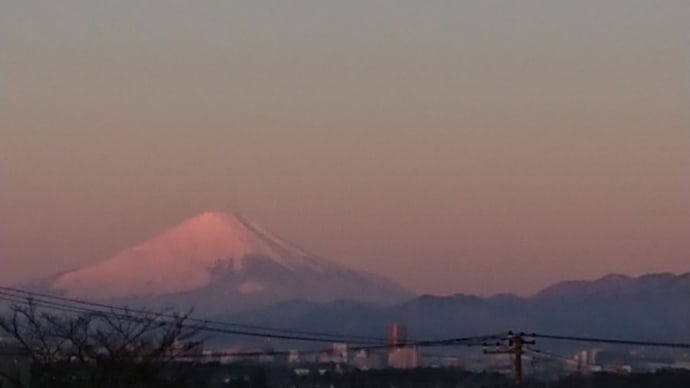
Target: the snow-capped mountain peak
pixel 182 258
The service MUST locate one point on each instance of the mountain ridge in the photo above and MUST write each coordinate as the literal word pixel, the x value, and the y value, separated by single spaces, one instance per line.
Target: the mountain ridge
pixel 611 283
pixel 216 261
pixel 649 314
pixel 227 266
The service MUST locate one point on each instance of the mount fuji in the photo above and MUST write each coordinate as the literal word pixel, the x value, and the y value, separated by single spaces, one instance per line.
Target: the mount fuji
pixel 219 262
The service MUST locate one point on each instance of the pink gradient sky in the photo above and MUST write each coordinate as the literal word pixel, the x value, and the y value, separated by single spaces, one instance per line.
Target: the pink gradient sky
pixel 454 146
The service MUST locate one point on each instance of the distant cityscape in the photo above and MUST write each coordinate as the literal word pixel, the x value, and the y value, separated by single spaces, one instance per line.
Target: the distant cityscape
pixel 401 356
pixel 493 355
pixel 400 353
pixel 34 335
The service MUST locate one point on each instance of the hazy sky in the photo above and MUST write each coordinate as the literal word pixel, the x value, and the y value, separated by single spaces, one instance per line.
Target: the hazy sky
pixel 455 146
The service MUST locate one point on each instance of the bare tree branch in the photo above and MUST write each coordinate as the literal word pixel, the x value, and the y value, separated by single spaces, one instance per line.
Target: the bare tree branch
pixel 106 346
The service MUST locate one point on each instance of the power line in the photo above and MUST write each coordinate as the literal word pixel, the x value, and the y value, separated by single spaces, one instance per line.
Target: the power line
pixel 200 326
pixel 68 302
pixel 577 364
pixel 126 314
pixel 549 354
pixel 515 347
pixel 467 341
pixel 553 356
pixel 72 305
pixel 39 302
pixel 205 321
pixel 612 341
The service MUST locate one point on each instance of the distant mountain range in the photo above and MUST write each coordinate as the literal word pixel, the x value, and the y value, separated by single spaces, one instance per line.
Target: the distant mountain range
pixel 650 307
pixel 228 267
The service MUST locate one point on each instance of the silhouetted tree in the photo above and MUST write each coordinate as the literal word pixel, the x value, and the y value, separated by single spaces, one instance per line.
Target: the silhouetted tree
pixel 96 349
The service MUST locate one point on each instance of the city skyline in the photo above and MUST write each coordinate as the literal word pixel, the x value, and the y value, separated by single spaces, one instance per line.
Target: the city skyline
pixel 476 147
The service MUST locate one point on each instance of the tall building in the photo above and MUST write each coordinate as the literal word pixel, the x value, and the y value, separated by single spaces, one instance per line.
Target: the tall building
pixel 404 357
pixel 400 355
pixel 396 335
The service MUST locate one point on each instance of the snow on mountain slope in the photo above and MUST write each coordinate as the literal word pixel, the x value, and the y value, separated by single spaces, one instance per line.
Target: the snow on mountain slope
pixel 215 257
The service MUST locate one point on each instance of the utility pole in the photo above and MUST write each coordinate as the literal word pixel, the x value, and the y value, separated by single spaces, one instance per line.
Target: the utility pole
pixel 517 351
pixel 515 347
